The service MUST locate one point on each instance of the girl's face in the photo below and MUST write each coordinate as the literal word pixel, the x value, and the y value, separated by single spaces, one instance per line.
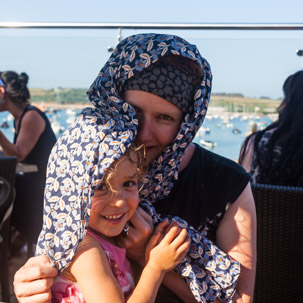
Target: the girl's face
pixel 159 121
pixel 111 210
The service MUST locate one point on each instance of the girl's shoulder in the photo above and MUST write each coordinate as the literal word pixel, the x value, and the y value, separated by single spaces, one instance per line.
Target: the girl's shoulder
pixel 90 255
pixel 109 247
pixel 89 246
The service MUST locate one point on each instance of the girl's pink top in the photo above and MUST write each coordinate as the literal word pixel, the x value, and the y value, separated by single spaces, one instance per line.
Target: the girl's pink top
pixel 66 291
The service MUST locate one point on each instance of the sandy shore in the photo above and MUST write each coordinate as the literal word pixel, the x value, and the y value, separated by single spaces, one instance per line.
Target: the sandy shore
pixel 52 105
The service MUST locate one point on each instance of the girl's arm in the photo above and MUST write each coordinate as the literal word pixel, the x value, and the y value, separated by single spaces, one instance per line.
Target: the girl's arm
pixel 91 270
pixel 164 251
pixel 32 127
pixel 98 284
pixel 236 236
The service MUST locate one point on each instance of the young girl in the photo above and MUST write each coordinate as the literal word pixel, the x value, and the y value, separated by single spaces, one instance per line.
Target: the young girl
pixel 98 269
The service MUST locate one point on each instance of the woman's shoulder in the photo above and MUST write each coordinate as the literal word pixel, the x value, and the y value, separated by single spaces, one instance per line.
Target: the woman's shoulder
pixel 215 169
pixel 33 110
pixel 32 120
pixel 212 161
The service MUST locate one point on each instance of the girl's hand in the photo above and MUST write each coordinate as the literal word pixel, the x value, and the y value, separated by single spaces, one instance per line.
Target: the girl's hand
pixel 167 246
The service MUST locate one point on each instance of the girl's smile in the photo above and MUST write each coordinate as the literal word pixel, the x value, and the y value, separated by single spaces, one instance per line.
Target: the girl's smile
pixel 113 207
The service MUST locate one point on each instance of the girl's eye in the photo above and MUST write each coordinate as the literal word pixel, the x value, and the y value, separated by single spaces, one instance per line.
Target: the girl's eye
pixel 130 183
pixel 102 187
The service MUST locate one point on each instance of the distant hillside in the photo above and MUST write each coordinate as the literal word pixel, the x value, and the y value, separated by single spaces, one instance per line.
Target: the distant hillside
pixel 235 102
pixel 240 104
pixel 59 95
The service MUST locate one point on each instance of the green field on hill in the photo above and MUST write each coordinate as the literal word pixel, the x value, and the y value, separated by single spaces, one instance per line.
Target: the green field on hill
pixel 230 102
pixel 239 104
pixel 59 95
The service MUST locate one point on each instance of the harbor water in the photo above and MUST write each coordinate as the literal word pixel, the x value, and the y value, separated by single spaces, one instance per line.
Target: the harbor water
pixel 222 134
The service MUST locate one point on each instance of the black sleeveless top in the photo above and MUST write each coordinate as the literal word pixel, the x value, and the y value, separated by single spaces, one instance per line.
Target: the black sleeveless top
pixel 204 188
pixel 40 153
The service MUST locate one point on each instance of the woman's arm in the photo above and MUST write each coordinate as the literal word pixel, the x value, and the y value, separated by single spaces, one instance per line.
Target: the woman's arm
pixel 32 127
pixel 236 236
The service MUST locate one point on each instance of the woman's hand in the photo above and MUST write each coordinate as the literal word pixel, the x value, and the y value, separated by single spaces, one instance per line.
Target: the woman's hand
pixel 139 232
pixel 33 281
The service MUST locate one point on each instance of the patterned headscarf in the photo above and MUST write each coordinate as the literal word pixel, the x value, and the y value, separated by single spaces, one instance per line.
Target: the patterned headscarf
pixel 167 81
pixel 130 57
pixel 99 136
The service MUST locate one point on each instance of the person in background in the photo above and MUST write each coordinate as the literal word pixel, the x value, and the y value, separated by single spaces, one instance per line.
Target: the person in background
pixel 161 85
pixel 33 141
pixel 274 155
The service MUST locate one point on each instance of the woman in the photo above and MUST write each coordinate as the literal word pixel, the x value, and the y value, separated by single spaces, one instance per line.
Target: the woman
pixel 274 155
pixel 210 192
pixel 32 144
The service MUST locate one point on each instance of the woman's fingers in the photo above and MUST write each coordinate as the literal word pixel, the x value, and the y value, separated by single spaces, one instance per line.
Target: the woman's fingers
pixel 145 215
pixel 141 224
pixel 140 230
pixel 33 281
pixel 38 291
pixel 35 268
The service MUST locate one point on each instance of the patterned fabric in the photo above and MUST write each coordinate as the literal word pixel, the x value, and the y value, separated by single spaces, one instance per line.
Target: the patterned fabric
pixel 262 147
pixel 64 290
pixel 166 81
pixel 99 136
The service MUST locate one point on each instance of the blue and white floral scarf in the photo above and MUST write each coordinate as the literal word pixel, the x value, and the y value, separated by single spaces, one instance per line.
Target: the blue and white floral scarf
pixel 99 136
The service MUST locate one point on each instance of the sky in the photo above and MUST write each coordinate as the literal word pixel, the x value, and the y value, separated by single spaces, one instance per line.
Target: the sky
pixel 253 63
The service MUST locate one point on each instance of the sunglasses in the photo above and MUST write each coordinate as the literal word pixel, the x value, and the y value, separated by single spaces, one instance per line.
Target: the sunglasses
pixel 3 85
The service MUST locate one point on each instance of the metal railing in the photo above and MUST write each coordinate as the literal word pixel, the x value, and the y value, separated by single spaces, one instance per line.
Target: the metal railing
pixel 181 26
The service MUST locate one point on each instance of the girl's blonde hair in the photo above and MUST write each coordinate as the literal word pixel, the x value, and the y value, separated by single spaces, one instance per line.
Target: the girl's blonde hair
pixel 133 154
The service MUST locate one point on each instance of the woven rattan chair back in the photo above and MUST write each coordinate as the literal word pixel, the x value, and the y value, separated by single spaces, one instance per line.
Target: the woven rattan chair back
pixel 8 173
pixel 279 243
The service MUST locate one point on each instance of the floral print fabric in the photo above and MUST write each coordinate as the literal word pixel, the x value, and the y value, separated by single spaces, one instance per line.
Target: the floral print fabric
pixel 262 149
pixel 66 291
pixel 99 136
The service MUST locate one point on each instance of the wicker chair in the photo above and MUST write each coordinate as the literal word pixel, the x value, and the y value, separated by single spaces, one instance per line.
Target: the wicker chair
pixel 7 175
pixel 279 243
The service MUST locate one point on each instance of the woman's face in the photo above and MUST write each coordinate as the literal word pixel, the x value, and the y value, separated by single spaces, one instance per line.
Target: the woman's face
pixel 159 121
